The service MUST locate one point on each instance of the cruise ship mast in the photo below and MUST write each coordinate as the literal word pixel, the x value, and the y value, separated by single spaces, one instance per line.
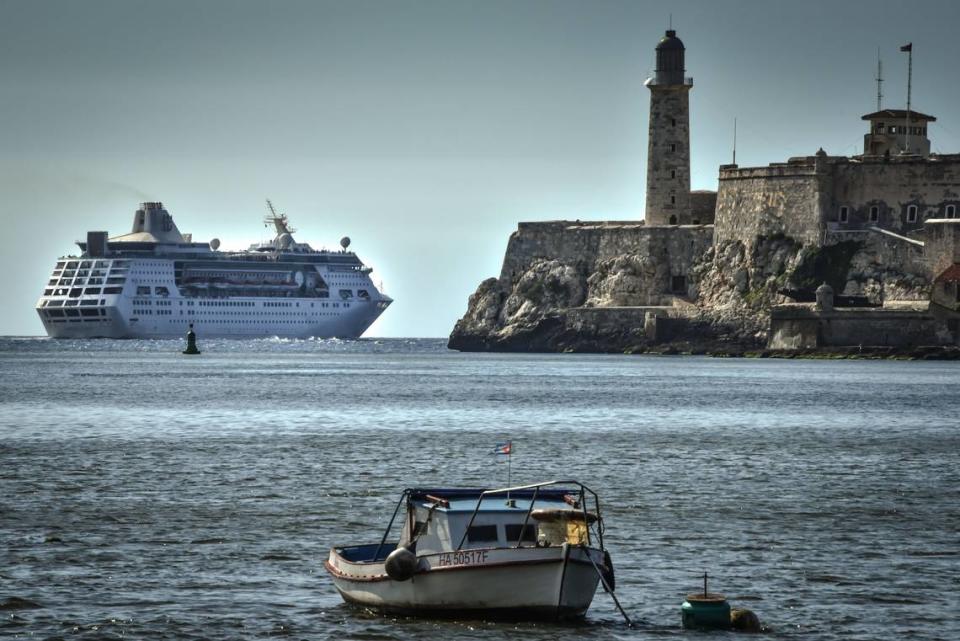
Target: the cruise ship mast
pixel 280 221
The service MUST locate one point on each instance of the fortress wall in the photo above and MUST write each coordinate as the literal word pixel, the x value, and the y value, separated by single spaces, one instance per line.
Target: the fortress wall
pixel 703 206
pixel 585 244
pixel 942 245
pixel 893 185
pixel 801 326
pixel 765 201
pixel 883 250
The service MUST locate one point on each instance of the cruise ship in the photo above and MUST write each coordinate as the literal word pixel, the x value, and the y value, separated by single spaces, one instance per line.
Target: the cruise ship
pixel 156 282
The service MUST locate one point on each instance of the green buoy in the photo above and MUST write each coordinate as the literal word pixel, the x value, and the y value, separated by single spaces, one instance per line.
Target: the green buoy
pixel 705 611
pixel 191 342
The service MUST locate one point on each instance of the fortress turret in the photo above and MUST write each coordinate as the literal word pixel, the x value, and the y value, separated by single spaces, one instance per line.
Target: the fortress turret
pixel 668 154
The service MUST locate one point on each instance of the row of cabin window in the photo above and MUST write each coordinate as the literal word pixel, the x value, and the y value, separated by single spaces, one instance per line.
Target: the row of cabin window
pixel 77 292
pixel 73 303
pixel 486 533
pixel 74 313
pixel 191 312
pixel 912 213
pixel 100 264
pixel 897 129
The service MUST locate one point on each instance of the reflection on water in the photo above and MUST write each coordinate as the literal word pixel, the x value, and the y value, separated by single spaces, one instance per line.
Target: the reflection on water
pixel 150 495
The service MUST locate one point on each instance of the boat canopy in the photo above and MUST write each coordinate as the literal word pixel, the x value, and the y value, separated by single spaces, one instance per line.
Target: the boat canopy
pixel 465 499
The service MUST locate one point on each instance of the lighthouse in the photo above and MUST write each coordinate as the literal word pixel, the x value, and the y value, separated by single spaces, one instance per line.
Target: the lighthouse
pixel 668 153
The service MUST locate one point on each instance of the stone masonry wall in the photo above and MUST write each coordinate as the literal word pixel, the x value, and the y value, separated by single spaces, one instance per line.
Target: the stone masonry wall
pixel 803 197
pixel 769 201
pixel 892 185
pixel 801 326
pixel 703 207
pixel 585 245
pixel 942 245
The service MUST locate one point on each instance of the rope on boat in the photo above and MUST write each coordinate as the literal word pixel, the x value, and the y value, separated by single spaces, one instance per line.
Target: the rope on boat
pixel 609 590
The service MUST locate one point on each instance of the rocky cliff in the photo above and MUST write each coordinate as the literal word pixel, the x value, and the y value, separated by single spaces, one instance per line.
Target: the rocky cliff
pixel 615 288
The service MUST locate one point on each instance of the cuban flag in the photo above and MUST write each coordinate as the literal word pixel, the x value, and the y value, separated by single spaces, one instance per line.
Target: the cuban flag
pixel 505 448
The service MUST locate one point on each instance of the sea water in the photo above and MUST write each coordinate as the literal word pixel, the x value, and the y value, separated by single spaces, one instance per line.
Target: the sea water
pixel 150 495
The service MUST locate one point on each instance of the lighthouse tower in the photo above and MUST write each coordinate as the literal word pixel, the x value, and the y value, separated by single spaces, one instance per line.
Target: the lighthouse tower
pixel 668 154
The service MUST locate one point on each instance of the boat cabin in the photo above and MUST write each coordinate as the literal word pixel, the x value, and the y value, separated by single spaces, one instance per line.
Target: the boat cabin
pixel 442 520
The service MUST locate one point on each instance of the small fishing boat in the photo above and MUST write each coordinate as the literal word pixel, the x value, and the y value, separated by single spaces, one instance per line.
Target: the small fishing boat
pixel 530 552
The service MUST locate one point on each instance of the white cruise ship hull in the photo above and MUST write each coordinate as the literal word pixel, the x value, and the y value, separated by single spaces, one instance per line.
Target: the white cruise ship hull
pixel 345 323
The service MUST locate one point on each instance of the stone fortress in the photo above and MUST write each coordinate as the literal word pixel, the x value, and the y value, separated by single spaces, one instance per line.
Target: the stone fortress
pixel 818 251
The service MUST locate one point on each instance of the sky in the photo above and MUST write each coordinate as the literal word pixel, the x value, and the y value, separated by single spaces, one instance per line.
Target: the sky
pixel 424 130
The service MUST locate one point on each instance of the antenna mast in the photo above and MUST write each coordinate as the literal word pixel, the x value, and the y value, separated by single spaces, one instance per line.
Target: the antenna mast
pixel 734 141
pixel 278 220
pixel 879 81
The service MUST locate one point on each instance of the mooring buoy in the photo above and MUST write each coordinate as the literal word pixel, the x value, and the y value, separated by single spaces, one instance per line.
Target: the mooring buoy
pixel 743 620
pixel 703 610
pixel 710 611
pixel 191 342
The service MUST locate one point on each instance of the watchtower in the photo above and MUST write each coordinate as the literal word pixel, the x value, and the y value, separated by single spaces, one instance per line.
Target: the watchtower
pixel 668 153
pixel 896 131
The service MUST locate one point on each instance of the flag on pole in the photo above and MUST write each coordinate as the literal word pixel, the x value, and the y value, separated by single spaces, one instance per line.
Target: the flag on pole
pixel 907 47
pixel 503 448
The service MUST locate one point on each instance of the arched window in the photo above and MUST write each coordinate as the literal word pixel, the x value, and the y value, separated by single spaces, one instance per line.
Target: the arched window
pixel 951 211
pixel 673 220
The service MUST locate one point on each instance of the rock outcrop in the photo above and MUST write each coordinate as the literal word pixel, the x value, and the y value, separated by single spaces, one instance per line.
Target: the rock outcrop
pixel 610 302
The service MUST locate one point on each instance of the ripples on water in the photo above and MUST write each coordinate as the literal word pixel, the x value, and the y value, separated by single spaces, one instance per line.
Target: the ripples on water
pixel 144 494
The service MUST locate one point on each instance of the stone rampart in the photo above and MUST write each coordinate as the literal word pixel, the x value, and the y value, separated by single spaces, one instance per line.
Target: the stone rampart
pixel 585 244
pixel 942 248
pixel 807 197
pixel 906 191
pixel 801 326
pixel 782 199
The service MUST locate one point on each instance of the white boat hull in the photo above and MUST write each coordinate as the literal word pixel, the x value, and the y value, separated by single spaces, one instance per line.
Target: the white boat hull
pixel 529 582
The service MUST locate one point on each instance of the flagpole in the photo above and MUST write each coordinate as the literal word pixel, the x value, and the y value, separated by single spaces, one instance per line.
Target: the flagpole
pixel 909 87
pixel 509 470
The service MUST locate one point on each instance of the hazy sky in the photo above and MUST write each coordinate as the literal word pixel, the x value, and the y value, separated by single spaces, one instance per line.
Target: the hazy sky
pixel 423 130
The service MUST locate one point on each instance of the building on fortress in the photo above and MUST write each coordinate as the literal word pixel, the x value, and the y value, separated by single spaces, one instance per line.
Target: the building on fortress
pixel 821 199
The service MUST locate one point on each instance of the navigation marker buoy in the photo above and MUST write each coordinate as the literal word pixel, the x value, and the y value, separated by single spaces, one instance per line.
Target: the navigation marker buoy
pixel 191 342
